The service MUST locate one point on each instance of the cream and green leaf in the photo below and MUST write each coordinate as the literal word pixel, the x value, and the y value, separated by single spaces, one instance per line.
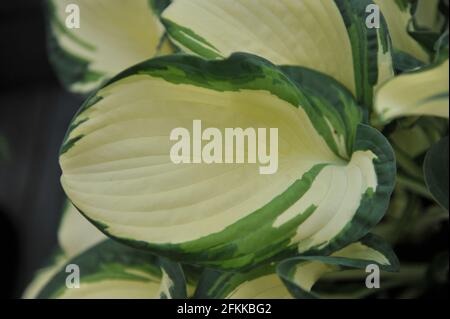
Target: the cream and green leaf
pixel 420 92
pixel 333 183
pixel 294 277
pixel 111 270
pixel 399 15
pixel 75 235
pixel 324 35
pixel 113 35
pixel 259 283
pixel 301 274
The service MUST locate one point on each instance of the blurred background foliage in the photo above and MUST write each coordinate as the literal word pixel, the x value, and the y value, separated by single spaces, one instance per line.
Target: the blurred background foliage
pixel 34 114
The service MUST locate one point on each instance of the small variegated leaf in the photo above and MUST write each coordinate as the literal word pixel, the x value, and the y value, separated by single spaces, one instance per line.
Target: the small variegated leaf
pixel 332 184
pixel 420 92
pixel 289 32
pixel 112 35
pixel 259 283
pixel 75 235
pixel 112 270
pixel 404 62
pixel 300 274
pixel 398 15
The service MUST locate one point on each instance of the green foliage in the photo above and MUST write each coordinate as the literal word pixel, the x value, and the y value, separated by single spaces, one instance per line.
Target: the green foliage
pixel 386 109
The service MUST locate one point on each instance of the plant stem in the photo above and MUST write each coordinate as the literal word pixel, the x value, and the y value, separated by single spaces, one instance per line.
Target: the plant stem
pixel 414 186
pixel 408 165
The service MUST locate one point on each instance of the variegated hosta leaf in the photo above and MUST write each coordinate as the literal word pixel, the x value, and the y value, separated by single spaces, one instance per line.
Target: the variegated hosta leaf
pixel 420 92
pixel 75 235
pixel 259 283
pixel 423 92
pixel 113 35
pixel 398 15
pixel 300 274
pixel 329 36
pixel 332 185
pixel 111 270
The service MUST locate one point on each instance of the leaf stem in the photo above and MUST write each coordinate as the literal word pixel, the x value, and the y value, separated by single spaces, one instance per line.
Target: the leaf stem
pixel 408 165
pixel 414 186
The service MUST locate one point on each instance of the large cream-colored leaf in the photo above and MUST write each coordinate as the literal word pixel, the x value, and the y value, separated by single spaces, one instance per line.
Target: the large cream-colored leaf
pixel 324 35
pixel 117 168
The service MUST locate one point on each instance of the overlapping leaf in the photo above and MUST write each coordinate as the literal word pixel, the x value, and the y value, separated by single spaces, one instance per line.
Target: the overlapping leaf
pixel 111 270
pixel 328 36
pixel 420 92
pixel 75 235
pixel 399 16
pixel 259 283
pixel 294 278
pixel 113 35
pixel 300 274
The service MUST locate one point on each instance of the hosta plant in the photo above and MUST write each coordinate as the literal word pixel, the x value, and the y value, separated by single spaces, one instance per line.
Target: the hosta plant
pixel 344 97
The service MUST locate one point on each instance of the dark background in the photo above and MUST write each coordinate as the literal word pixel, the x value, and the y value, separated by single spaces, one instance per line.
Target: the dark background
pixel 34 114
